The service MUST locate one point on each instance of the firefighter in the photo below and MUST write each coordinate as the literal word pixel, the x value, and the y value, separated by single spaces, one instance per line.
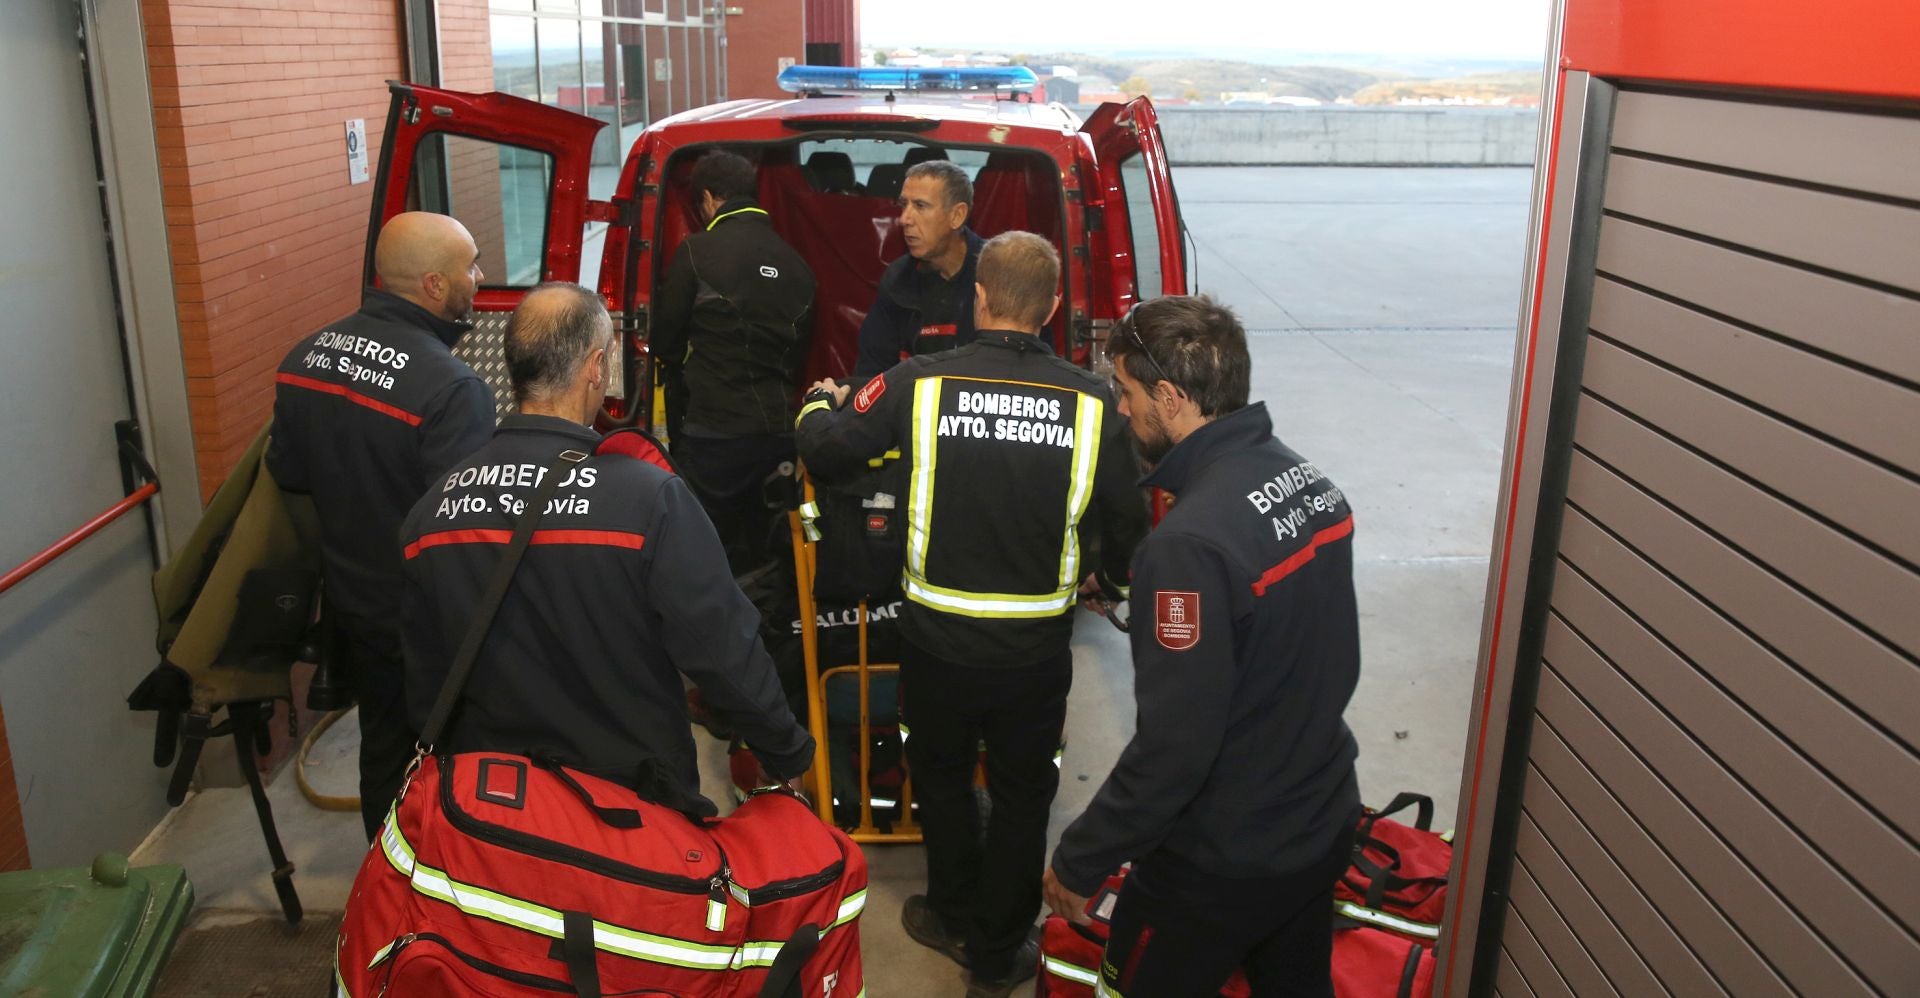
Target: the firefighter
pixel 731 327
pixel 1236 799
pixel 1015 461
pixel 925 303
pixel 366 412
pixel 623 588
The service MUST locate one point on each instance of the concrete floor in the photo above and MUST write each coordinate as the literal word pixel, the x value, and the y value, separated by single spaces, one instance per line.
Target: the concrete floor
pixel 1380 305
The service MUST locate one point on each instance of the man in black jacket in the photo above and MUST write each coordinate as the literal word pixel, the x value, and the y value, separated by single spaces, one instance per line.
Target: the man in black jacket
pixel 622 589
pixel 925 303
pixel 1015 459
pixel 1236 798
pixel 366 412
pixel 730 327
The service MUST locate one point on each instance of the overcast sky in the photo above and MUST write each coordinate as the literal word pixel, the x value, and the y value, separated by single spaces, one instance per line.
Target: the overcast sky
pixel 1453 28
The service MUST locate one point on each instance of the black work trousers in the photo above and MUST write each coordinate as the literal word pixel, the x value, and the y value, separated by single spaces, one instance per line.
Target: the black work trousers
pixel 387 738
pixel 1179 932
pixel 986 892
pixel 729 475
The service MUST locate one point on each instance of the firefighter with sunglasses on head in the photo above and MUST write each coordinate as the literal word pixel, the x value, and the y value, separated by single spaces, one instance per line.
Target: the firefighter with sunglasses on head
pixel 1236 799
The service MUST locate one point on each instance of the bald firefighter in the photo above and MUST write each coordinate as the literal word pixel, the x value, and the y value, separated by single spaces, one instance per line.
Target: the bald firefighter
pixel 1015 460
pixel 365 413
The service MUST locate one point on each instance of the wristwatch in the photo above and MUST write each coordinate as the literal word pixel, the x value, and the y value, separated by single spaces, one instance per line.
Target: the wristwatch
pixel 818 395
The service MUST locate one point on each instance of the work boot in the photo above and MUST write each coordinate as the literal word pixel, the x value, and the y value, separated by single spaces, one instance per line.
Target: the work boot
pixel 930 930
pixel 1026 961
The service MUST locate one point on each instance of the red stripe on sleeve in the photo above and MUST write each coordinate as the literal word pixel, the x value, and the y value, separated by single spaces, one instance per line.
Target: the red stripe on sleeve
pixel 599 538
pixel 603 538
pixel 326 388
pixel 1272 576
pixel 458 537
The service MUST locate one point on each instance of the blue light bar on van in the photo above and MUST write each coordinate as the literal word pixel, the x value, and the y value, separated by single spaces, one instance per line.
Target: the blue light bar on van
pixel 838 79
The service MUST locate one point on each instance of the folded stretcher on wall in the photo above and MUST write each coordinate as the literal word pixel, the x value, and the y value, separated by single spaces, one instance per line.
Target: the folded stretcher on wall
pixel 236 608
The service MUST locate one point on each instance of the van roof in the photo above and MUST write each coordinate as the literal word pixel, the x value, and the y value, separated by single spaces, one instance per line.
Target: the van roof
pixel 1055 119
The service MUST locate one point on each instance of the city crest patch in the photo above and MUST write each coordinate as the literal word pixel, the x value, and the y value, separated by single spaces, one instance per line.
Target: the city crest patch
pixel 1176 619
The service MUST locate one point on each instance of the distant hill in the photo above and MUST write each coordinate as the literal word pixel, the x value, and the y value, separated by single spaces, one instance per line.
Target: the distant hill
pixel 1206 79
pixel 1389 80
pixel 1517 87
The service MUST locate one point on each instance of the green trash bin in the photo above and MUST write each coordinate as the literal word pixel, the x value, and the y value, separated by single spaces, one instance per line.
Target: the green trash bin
pixel 102 932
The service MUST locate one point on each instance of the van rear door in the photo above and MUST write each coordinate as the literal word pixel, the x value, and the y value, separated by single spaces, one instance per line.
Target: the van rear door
pixel 1142 225
pixel 513 171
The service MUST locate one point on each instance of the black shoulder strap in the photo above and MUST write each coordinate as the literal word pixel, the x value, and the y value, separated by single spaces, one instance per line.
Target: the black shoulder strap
pixel 783 978
pixel 490 600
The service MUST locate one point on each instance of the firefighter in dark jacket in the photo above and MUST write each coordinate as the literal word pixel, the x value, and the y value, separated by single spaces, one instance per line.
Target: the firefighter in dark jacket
pixel 731 326
pixel 366 413
pixel 622 590
pixel 1235 801
pixel 1014 459
pixel 925 303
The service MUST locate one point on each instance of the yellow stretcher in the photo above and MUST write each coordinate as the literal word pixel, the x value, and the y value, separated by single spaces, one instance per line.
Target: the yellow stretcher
pixel 820 780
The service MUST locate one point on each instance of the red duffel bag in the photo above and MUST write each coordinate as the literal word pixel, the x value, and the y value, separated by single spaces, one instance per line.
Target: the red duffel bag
pixel 1070 954
pixel 1398 879
pixel 502 875
pixel 497 875
pixel 1369 963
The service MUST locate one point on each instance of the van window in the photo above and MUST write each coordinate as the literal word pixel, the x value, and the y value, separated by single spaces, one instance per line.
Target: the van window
pixel 1143 227
pixel 499 192
pixel 875 167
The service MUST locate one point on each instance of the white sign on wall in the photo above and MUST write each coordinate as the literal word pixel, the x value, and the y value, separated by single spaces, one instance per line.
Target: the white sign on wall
pixel 662 70
pixel 785 63
pixel 357 150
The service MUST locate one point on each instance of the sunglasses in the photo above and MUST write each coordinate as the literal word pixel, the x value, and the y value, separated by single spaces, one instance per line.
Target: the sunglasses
pixel 1133 333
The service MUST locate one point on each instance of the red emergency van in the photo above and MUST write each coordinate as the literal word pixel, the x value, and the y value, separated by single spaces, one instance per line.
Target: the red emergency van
pixel 522 176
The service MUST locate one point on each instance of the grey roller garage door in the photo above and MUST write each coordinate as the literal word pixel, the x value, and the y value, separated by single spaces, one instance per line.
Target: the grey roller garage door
pixel 1722 787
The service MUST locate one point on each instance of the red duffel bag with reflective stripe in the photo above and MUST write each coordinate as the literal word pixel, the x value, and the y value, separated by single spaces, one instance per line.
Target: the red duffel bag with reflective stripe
pixel 1368 963
pixel 1398 879
pixel 498 875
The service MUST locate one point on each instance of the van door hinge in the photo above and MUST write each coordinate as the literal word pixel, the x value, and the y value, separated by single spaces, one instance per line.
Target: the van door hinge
pixel 409 102
pixel 603 211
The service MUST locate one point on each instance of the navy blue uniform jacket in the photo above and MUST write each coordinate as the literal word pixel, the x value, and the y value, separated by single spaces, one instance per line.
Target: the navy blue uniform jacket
pixel 366 412
pixel 623 588
pixel 918 312
pixel 1246 649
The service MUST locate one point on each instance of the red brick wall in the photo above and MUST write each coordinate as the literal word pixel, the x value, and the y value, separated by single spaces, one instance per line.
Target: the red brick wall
pixel 466 47
pixel 13 834
pixel 250 104
pixel 757 38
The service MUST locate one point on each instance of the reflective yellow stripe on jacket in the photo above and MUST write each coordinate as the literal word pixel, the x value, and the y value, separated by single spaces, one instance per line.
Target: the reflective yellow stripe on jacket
pixel 1086 447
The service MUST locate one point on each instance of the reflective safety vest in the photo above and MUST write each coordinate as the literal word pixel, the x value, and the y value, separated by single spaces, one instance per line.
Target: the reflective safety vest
pixel 1013 461
pixel 1050 436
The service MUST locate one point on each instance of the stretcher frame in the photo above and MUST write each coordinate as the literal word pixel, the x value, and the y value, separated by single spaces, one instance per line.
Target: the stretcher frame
pixel 820 777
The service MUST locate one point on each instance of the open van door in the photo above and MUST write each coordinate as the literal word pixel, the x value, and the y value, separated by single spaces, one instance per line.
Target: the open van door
pixel 1145 253
pixel 513 171
pixel 1146 257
